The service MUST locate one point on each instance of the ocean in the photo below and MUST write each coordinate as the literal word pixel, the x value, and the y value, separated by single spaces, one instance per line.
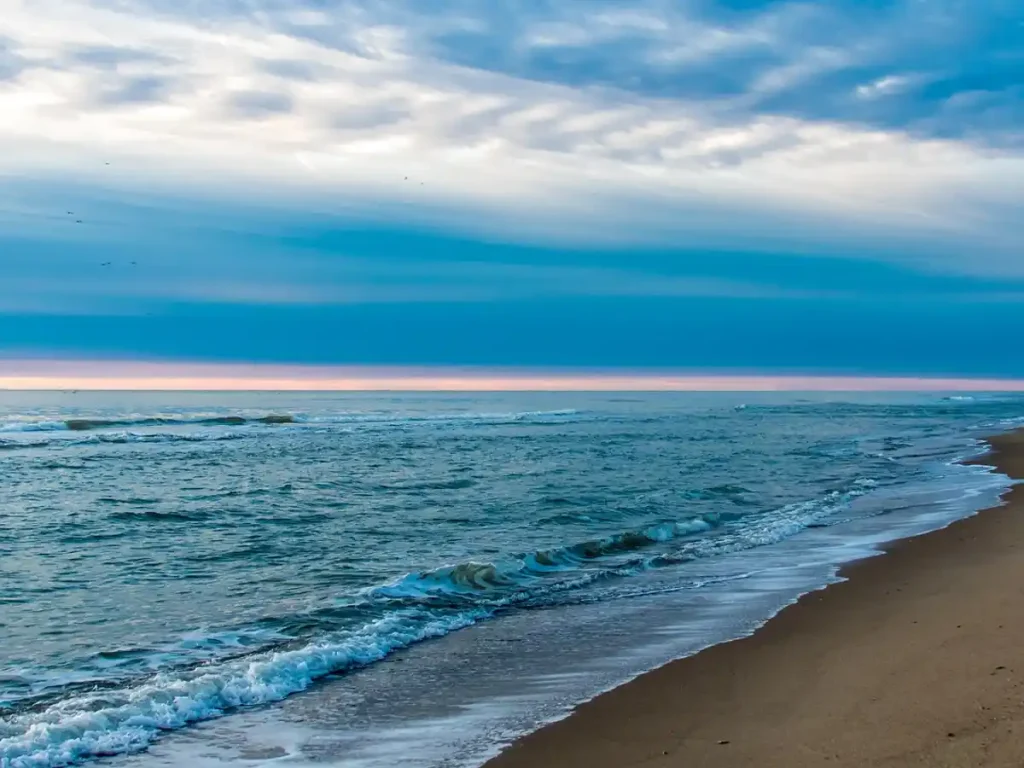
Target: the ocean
pixel 382 580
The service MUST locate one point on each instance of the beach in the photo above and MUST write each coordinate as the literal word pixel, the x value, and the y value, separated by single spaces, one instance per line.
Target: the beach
pixel 914 660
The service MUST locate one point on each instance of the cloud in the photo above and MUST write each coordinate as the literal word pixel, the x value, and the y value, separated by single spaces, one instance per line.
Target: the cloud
pixel 256 104
pixel 812 185
pixel 135 90
pixel 808 60
pixel 361 118
pixel 112 57
pixel 11 63
pixel 818 126
pixel 148 254
pixel 114 277
pixel 293 69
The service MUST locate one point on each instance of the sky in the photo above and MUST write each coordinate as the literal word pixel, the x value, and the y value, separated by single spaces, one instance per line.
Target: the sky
pixel 699 187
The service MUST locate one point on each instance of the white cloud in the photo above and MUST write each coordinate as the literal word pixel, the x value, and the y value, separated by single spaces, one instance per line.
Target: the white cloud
pixel 889 85
pixel 318 108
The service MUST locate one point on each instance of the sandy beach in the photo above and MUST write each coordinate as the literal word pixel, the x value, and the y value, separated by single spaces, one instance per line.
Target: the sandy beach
pixel 915 660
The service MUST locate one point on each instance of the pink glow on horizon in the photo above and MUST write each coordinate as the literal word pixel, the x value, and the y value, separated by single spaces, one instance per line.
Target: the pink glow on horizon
pixel 120 375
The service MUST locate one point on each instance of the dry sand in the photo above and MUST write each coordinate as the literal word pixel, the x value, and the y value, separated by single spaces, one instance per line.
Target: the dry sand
pixel 917 660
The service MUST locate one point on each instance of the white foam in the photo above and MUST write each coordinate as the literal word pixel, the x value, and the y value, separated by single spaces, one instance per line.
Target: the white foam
pixel 428 418
pixel 16 427
pixel 107 723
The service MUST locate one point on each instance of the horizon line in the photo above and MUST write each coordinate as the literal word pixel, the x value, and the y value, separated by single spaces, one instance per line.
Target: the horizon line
pixel 121 375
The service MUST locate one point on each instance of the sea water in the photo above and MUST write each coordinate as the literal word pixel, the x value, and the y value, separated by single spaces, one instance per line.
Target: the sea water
pixel 416 579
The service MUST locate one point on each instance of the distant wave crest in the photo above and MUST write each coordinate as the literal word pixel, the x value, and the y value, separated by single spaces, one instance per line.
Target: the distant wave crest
pixel 90 424
pixel 117 438
pixel 85 425
pixel 96 424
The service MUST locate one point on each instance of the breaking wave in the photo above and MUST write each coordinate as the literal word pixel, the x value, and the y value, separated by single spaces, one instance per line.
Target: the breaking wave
pixel 127 716
pixel 104 723
pixel 534 577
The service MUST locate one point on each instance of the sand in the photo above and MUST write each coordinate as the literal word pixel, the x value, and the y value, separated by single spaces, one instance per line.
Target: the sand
pixel 916 660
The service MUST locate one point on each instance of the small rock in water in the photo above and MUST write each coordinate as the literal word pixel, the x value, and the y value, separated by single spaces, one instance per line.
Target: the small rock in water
pixel 723 741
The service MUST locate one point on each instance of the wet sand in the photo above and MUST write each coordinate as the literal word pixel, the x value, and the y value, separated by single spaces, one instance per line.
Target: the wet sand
pixel 916 660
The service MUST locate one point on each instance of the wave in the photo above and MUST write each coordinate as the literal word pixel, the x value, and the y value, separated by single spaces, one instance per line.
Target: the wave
pixel 535 576
pixel 13 445
pixel 272 419
pixel 89 425
pixel 499 417
pixel 115 431
pixel 117 438
pixel 157 516
pixel 457 484
pixel 91 720
pixel 127 715
pixel 111 722
pixel 144 437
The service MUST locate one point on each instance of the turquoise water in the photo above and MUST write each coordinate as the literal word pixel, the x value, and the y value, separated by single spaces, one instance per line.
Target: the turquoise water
pixel 174 564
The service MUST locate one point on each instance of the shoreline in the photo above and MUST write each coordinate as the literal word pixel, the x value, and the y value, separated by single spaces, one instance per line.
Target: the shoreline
pixel 911 659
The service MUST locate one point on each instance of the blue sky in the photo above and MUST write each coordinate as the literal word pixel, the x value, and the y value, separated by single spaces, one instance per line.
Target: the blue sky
pixel 741 185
